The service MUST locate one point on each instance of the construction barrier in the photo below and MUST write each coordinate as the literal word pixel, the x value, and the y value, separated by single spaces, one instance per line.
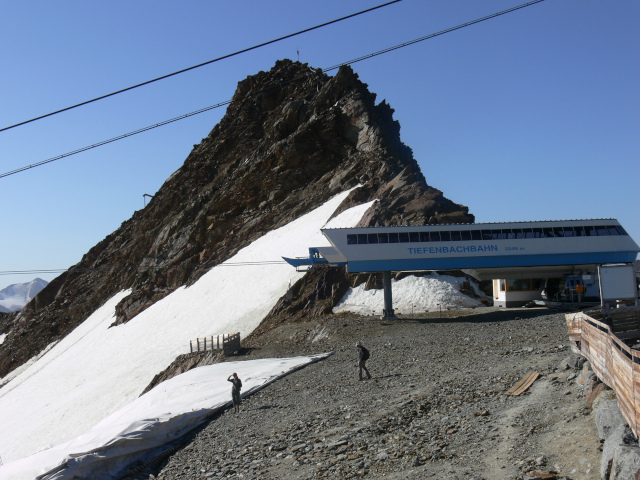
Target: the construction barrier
pixel 605 342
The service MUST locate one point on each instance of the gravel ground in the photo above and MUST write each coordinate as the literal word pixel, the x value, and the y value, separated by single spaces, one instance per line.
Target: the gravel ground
pixel 435 407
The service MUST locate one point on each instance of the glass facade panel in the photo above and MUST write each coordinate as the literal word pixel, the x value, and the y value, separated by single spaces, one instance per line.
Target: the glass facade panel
pixel 491 234
pixel 519 285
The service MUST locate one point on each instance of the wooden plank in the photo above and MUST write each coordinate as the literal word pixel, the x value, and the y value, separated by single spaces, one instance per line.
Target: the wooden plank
pixel 523 384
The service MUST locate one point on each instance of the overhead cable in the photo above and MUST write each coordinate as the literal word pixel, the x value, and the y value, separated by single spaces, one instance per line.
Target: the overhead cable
pixel 256 263
pixel 199 65
pixel 181 117
pixel 427 37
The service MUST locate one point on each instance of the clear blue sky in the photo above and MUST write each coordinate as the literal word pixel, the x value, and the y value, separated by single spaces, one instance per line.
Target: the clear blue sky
pixel 534 115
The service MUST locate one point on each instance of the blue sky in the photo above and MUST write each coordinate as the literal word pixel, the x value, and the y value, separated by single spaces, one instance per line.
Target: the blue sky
pixel 534 115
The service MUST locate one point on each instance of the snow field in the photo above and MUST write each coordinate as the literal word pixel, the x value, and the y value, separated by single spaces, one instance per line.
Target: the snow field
pixel 97 370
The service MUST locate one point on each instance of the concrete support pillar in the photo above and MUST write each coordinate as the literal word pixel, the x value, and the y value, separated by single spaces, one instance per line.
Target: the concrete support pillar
pixel 387 313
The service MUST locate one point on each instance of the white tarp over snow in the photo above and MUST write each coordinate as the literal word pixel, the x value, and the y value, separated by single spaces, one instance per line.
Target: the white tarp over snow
pixel 158 417
pixel 97 370
pixel 410 294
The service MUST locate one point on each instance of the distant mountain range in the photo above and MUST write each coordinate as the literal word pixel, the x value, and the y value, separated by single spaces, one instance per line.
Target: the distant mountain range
pixel 16 296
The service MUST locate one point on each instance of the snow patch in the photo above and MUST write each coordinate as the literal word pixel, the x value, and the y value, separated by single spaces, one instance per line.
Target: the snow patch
pixel 410 295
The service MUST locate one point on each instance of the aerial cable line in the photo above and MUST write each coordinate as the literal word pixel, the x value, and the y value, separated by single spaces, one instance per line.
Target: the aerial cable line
pixel 119 137
pixel 256 263
pixel 181 117
pixel 427 37
pixel 199 65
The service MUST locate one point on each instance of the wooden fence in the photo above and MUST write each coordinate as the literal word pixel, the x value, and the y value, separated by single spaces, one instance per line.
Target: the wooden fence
pixel 605 342
pixel 229 343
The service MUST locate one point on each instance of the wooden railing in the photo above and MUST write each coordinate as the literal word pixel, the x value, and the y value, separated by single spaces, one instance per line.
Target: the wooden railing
pixel 604 342
pixel 229 343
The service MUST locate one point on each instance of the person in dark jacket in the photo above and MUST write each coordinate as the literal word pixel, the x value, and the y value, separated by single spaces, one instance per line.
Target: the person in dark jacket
pixel 363 356
pixel 235 391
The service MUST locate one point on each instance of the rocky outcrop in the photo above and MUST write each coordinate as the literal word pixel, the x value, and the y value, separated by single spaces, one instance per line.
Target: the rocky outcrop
pixel 291 139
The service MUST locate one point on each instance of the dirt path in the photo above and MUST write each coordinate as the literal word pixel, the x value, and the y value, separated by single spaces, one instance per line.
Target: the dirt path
pixel 435 408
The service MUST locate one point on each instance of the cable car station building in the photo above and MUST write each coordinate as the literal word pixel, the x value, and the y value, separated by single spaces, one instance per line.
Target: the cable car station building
pixel 504 252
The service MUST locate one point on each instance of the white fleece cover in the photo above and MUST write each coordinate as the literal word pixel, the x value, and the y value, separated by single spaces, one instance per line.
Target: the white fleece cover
pixel 156 418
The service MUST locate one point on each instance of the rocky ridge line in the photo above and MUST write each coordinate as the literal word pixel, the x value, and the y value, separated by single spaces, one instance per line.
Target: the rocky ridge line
pixel 291 139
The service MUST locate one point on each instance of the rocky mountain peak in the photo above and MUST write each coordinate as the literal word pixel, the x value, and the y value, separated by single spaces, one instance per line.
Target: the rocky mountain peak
pixel 291 138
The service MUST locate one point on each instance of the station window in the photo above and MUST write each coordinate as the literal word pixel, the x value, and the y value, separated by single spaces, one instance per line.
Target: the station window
pixel 493 234
pixel 519 285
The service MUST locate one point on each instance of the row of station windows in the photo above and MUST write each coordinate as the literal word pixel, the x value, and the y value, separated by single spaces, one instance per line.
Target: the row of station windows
pixel 492 234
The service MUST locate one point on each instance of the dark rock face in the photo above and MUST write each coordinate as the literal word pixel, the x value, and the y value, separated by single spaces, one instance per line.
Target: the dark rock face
pixel 291 139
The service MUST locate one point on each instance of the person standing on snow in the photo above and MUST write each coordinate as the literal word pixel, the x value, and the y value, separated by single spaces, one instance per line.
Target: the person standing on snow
pixel 235 391
pixel 363 356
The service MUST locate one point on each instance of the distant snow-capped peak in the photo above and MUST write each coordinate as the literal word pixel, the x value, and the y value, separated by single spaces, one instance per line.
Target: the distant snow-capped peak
pixel 16 296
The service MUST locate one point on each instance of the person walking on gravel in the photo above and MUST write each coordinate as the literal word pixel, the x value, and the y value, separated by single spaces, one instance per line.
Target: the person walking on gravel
pixel 235 391
pixel 363 356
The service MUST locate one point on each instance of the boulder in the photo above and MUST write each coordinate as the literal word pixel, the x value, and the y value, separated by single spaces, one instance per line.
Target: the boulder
pixel 608 418
pixel 626 462
pixel 573 361
pixel 620 436
pixel 585 374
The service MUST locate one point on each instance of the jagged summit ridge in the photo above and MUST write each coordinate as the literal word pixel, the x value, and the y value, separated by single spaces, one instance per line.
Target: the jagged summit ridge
pixel 291 139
